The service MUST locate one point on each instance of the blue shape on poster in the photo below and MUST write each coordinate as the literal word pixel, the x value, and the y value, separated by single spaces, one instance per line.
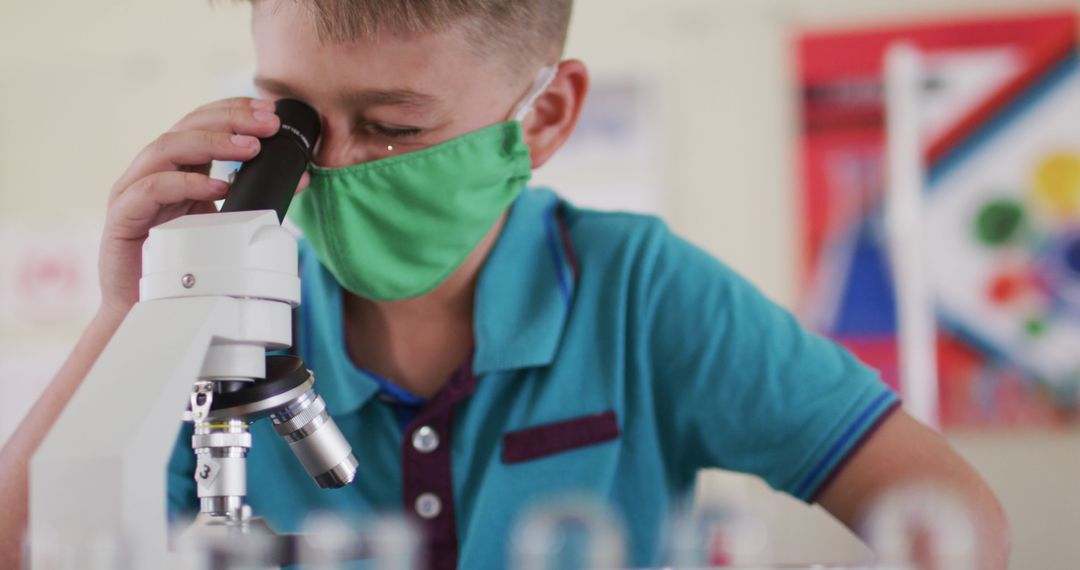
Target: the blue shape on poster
pixel 1072 256
pixel 868 305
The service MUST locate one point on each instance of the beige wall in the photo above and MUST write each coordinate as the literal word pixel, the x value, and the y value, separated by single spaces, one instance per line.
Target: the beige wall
pixel 83 85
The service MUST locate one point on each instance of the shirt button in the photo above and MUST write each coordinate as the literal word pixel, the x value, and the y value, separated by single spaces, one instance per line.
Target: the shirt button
pixel 425 439
pixel 428 505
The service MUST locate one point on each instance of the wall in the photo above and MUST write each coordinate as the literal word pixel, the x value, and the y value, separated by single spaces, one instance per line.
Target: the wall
pixel 84 85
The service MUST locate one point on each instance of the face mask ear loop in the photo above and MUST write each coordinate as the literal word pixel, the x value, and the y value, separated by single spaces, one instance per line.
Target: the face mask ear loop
pixel 540 84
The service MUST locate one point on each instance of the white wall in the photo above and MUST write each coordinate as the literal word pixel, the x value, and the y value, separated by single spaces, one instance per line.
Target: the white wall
pixel 83 85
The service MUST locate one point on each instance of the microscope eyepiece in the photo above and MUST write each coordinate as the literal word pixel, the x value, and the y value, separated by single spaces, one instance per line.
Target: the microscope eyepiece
pixel 268 181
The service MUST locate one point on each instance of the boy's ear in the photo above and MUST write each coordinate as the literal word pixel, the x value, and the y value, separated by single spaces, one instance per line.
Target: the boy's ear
pixel 556 112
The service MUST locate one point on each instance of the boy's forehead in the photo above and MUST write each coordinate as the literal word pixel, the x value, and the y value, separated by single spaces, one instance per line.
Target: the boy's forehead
pixel 289 50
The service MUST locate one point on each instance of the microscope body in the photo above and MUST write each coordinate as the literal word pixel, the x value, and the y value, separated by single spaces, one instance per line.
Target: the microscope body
pixel 217 292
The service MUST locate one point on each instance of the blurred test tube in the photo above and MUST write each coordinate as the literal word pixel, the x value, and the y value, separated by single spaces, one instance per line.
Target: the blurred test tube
pixel 922 527
pixel 568 534
pixel 717 533
pixel 387 542
pixel 95 552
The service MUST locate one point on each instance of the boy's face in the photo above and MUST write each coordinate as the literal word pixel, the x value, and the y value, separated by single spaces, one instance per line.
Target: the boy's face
pixel 380 98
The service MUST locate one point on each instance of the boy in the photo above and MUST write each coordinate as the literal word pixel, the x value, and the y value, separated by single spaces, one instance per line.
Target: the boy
pixel 485 347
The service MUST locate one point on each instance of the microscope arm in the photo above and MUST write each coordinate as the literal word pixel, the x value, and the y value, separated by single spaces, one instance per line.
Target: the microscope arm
pixel 100 472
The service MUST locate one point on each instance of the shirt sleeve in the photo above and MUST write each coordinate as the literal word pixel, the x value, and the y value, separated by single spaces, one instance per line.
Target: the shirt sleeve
pixel 183 502
pixel 743 385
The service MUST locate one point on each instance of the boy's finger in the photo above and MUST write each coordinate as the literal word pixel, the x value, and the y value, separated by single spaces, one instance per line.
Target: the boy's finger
pixel 140 203
pixel 245 120
pixel 149 194
pixel 238 102
pixel 174 150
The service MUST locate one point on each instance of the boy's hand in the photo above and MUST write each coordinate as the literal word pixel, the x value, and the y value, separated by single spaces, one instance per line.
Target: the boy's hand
pixel 170 178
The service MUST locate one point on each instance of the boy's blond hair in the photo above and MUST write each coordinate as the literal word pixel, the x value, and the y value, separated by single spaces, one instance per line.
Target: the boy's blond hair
pixel 525 33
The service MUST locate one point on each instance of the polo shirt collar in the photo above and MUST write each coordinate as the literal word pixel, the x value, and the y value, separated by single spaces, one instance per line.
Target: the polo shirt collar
pixel 525 288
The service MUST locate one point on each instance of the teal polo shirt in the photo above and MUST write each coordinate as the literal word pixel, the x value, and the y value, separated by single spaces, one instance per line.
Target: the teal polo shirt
pixel 612 359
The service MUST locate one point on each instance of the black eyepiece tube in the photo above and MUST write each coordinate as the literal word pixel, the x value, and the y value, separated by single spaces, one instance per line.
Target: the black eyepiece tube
pixel 267 182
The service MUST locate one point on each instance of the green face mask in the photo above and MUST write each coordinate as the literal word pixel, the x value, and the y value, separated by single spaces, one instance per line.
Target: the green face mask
pixel 396 228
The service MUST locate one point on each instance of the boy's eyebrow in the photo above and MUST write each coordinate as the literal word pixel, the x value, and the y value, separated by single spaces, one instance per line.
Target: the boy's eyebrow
pixel 360 98
pixel 276 87
pixel 374 97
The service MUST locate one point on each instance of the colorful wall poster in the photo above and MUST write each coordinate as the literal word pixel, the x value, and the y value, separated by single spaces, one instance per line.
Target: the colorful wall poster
pixel 48 274
pixel 1002 231
pixel 978 71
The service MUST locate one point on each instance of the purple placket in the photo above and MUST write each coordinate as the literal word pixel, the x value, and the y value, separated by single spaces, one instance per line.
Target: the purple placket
pixel 427 478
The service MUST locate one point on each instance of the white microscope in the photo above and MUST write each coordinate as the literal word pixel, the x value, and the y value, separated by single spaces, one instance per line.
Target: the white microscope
pixel 217 292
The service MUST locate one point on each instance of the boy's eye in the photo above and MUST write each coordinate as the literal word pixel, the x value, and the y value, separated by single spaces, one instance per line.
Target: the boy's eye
pixel 391 132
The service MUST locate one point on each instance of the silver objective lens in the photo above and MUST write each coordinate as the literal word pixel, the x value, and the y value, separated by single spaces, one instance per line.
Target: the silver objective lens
pixel 315 440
